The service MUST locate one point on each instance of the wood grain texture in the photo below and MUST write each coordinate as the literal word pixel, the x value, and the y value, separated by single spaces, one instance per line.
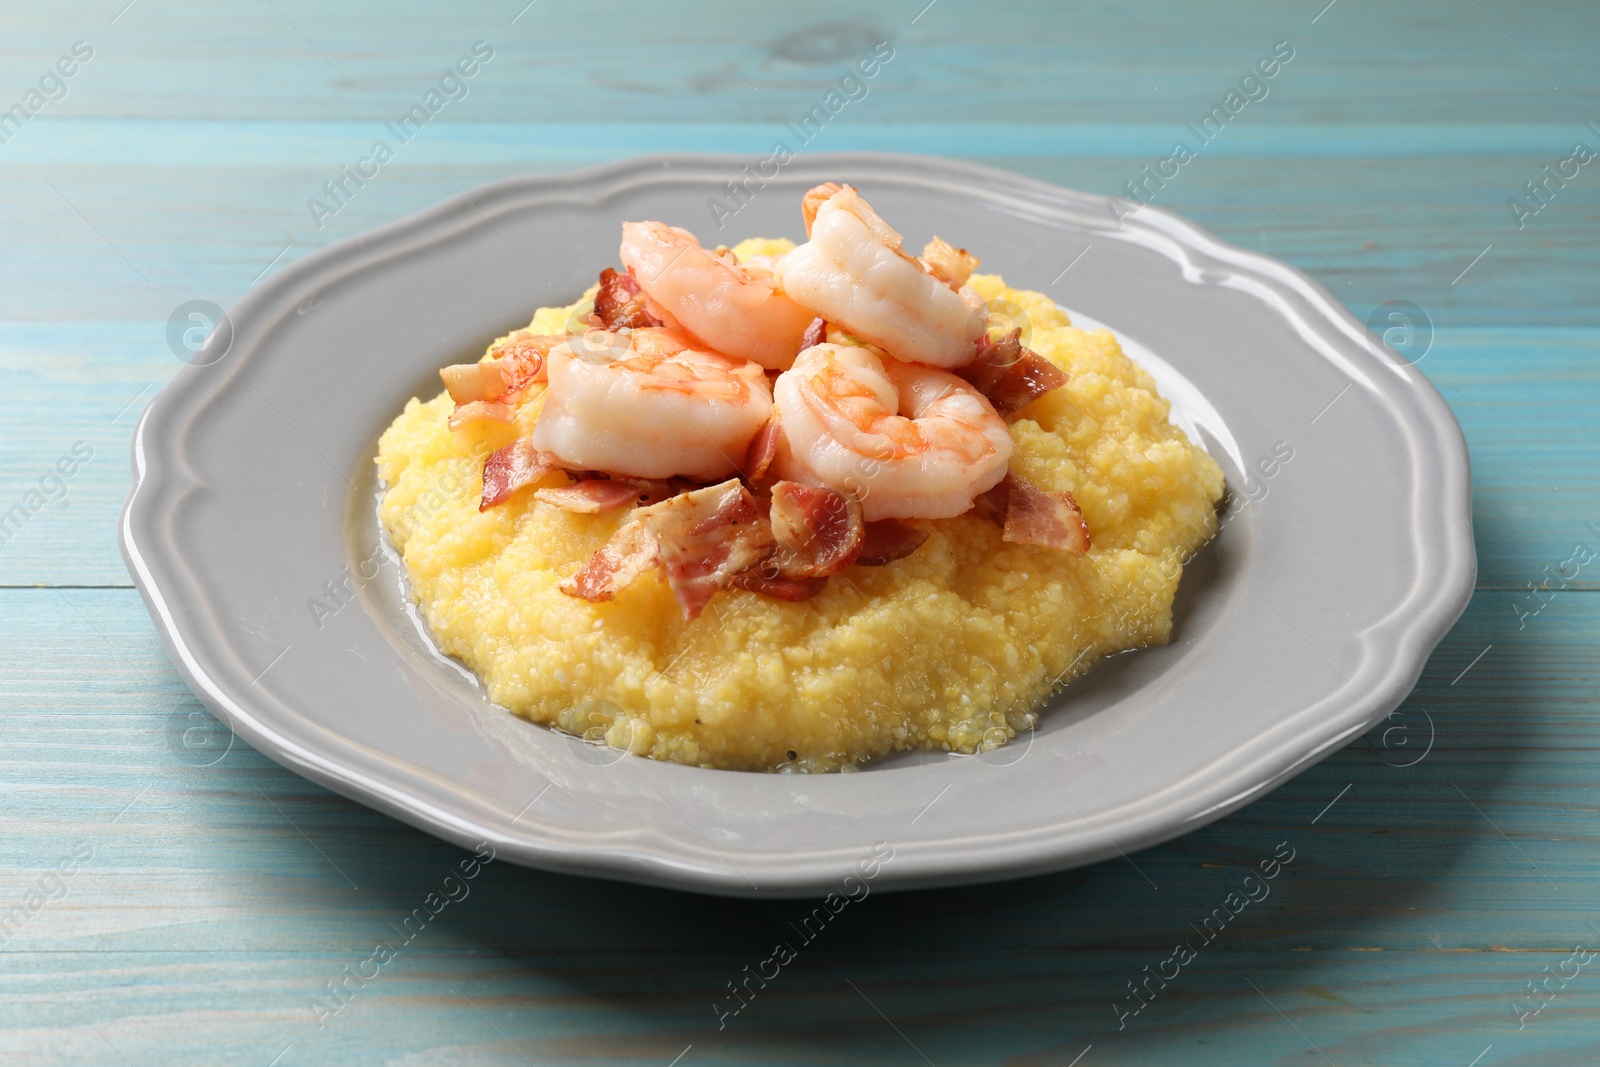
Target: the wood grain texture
pixel 221 893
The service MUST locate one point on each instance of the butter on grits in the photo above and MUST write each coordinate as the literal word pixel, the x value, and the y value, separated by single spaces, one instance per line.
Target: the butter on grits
pixel 953 647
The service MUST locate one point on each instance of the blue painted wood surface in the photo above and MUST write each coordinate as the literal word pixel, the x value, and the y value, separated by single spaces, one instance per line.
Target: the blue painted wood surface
pixel 203 897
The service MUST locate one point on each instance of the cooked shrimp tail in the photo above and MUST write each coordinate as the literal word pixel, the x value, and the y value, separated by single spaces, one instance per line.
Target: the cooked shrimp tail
pixel 709 297
pixel 854 271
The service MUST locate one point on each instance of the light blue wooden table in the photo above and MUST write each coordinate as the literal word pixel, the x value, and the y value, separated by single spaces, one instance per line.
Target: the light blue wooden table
pixel 166 900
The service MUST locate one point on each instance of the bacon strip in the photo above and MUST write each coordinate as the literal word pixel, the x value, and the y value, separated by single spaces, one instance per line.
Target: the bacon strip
pixel 819 530
pixel 763 448
pixel 631 552
pixel 512 467
pixel 589 496
pixel 707 538
pixel 619 302
pixel 1032 516
pixel 793 590
pixel 1010 375
pixel 949 264
pixel 887 540
pixel 815 334
pixel 647 490
pixel 655 490
pixel 487 410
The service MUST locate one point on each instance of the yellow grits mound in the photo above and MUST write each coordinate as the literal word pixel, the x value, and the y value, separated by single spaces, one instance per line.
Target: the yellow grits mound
pixel 953 647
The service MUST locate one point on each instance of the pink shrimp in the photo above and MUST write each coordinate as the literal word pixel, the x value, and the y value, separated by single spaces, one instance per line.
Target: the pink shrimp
pixel 737 310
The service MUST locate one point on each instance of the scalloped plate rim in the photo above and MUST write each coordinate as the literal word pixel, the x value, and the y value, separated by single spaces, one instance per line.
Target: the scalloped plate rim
pixel 1410 632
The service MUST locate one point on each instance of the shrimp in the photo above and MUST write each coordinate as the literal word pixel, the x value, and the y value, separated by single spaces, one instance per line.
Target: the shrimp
pixel 911 442
pixel 739 311
pixel 854 272
pixel 649 403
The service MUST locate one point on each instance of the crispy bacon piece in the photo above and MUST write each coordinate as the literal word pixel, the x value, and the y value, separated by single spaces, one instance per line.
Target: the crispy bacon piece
pixel 631 551
pixel 815 334
pixel 590 496
pixel 707 538
pixel 512 467
pixel 489 410
pixel 819 530
pixel 887 540
pixel 1010 375
pixel 655 490
pixel 650 490
pixel 794 590
pixel 619 302
pixel 949 264
pixel 763 447
pixel 1031 516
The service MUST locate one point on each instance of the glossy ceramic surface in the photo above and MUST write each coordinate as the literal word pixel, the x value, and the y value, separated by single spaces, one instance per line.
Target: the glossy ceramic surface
pixel 1305 622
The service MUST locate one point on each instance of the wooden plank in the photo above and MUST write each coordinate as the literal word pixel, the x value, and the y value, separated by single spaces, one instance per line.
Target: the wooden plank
pixel 99 721
pixel 1370 229
pixel 461 141
pixel 1356 63
pixel 1028 1008
pixel 219 899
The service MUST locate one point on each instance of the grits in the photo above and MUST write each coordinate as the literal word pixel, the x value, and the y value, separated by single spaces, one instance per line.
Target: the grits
pixel 953 647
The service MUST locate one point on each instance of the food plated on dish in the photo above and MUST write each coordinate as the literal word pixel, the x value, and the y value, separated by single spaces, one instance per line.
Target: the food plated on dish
pixel 1295 629
pixel 778 507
